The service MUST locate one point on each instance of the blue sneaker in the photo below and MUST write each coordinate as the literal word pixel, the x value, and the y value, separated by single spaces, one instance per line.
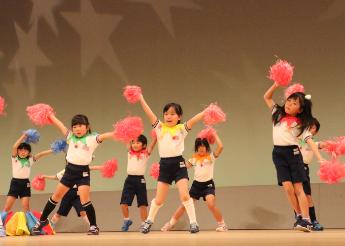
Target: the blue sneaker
pixel 146 226
pixel 304 225
pixel 37 229
pixel 2 231
pixel 126 225
pixel 317 226
pixel 194 228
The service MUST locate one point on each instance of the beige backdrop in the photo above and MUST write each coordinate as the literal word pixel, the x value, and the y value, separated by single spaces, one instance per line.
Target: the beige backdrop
pixel 78 55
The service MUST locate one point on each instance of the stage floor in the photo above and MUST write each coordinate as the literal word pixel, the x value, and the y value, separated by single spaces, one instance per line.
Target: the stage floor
pixel 207 238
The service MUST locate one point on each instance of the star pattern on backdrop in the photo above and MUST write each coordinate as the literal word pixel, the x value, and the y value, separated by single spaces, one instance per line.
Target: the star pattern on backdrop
pixel 28 58
pixel 95 31
pixel 44 9
pixel 163 10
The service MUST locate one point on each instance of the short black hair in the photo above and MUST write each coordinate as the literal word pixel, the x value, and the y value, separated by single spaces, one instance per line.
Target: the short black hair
pixel 25 146
pixel 316 123
pixel 142 139
pixel 201 142
pixel 177 107
pixel 80 119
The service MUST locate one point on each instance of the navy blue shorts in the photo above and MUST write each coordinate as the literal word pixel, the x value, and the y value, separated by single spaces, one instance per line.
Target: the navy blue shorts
pixel 289 164
pixel 202 189
pixel 172 169
pixel 76 175
pixel 20 188
pixel 70 199
pixel 135 185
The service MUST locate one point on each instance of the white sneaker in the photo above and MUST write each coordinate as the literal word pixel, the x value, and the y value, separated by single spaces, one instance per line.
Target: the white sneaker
pixel 2 231
pixel 222 228
pixel 167 227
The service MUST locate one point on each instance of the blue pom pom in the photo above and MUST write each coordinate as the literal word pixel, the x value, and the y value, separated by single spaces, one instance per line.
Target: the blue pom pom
pixel 32 136
pixel 59 146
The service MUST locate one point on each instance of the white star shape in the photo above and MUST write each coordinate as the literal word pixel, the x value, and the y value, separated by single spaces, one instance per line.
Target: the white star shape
pixel 163 10
pixel 95 30
pixel 336 9
pixel 28 57
pixel 44 9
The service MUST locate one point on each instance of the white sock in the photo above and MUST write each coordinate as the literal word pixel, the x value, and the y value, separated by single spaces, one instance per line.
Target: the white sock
pixel 1 222
pixel 86 219
pixel 190 209
pixel 126 218
pixel 55 219
pixel 172 221
pixel 153 210
pixel 307 219
pixel 221 222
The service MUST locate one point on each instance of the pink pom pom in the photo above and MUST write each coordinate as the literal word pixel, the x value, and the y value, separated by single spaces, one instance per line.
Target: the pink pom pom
pixel 209 133
pixel 335 147
pixel 109 168
pixel 281 73
pixel 39 114
pixel 153 133
pixel 154 170
pixel 132 93
pixel 2 106
pixel 38 183
pixel 293 89
pixel 128 129
pixel 331 171
pixel 213 114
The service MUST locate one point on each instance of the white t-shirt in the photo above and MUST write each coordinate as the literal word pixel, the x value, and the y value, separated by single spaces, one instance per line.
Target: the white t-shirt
pixel 137 162
pixel 203 167
pixel 21 167
pixel 170 139
pixel 60 174
pixel 287 131
pixel 80 150
pixel 306 152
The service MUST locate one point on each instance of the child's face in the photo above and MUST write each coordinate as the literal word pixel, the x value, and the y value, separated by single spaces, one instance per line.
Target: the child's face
pixel 202 151
pixel 23 153
pixel 80 130
pixel 171 117
pixel 313 130
pixel 292 106
pixel 136 145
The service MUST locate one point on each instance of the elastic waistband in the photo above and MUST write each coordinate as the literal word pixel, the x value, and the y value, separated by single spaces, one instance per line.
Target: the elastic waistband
pixel 21 180
pixel 203 183
pixel 171 158
pixel 78 167
pixel 135 176
pixel 285 147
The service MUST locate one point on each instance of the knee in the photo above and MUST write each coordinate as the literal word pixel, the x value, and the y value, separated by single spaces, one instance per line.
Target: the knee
pixel 211 206
pixel 184 198
pixel 158 202
pixel 289 190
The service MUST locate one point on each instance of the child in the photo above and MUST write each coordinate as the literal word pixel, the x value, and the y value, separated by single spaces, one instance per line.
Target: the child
pixel 135 184
pixel 22 161
pixel 70 199
pixel 82 144
pixel 308 155
pixel 170 137
pixel 203 185
pixel 291 123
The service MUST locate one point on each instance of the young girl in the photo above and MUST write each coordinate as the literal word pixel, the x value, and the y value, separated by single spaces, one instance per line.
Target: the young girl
pixel 70 199
pixel 291 122
pixel 308 155
pixel 203 185
pixel 22 161
pixel 82 144
pixel 135 184
pixel 170 137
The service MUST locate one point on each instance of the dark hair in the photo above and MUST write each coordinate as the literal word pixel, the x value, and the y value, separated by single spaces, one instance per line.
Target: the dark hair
pixel 25 146
pixel 177 107
pixel 142 139
pixel 316 123
pixel 305 116
pixel 80 119
pixel 201 142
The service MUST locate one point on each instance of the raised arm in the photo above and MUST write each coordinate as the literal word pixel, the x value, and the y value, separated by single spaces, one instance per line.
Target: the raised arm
pixel 152 145
pixel 315 149
pixel 17 143
pixel 219 147
pixel 152 117
pixel 268 96
pixel 196 118
pixel 104 136
pixel 58 124
pixel 95 167
pixel 42 154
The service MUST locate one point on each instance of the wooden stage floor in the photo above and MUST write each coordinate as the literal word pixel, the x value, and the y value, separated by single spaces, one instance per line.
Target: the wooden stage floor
pixel 182 238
